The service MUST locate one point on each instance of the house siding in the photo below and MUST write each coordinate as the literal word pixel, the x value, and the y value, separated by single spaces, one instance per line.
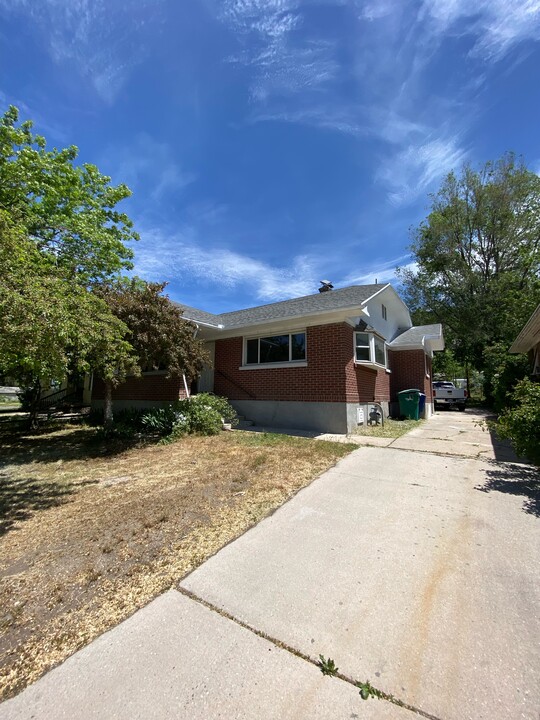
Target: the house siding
pixel 328 349
pixel 148 388
pixel 331 374
pixel 409 368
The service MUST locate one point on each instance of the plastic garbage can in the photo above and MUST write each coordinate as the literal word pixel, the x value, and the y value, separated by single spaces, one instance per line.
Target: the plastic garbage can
pixel 421 404
pixel 409 403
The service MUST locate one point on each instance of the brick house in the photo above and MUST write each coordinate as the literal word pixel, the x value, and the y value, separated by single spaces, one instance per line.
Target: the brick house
pixel 317 362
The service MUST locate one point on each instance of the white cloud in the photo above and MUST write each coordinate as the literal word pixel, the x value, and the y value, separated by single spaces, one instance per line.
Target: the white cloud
pixel 283 65
pixel 338 119
pixel 414 169
pixel 103 39
pixel 381 271
pixel 497 24
pixel 161 256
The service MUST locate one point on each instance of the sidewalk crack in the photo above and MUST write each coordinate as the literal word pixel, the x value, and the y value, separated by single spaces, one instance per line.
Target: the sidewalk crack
pixel 294 651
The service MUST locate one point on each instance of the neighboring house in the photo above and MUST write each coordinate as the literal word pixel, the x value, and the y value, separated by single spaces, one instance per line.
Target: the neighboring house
pixel 317 362
pixel 528 341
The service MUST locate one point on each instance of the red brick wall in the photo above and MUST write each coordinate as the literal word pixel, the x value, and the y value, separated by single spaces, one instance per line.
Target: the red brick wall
pixel 148 387
pixel 409 371
pixel 330 376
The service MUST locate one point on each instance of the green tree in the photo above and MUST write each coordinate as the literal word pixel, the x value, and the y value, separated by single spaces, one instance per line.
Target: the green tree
pixel 478 258
pixel 520 422
pixel 67 210
pixel 158 334
pixel 60 236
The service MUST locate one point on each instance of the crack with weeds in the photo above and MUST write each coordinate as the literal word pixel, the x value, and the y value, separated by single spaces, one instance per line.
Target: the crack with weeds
pixel 363 687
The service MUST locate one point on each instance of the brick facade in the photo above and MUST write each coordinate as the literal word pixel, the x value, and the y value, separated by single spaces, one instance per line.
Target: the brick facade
pixel 330 376
pixel 409 370
pixel 156 387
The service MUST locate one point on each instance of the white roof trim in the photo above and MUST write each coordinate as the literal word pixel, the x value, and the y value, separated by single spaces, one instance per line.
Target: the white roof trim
pixel 529 336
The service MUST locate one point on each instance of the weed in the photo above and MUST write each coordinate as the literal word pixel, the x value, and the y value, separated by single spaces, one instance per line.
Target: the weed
pixel 328 666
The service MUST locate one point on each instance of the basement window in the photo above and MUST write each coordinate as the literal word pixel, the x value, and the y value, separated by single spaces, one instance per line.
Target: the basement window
pixel 271 349
pixel 370 349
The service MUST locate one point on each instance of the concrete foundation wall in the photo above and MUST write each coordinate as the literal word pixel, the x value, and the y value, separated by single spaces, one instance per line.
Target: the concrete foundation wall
pixel 320 416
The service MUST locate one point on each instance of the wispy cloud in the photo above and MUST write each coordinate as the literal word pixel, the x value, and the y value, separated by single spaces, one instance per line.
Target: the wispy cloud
pixel 147 165
pixel 163 256
pixel 381 271
pixel 497 25
pixel 413 170
pixel 104 40
pixel 284 62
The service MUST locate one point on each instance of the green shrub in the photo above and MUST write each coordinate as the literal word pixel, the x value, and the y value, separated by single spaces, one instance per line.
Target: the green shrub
pixel 501 375
pixel 520 423
pixel 162 420
pixel 202 414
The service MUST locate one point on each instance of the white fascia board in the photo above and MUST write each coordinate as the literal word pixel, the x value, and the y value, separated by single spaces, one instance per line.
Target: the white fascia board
pixel 291 323
pixel 529 336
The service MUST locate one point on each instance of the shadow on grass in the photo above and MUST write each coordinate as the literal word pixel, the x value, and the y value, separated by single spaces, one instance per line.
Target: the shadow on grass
pixel 520 480
pixel 47 445
pixel 20 498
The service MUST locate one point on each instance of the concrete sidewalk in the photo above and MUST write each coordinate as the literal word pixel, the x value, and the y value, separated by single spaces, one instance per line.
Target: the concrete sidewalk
pixel 416 571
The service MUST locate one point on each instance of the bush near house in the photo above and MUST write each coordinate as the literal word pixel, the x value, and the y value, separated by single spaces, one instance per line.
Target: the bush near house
pixel 520 423
pixel 202 414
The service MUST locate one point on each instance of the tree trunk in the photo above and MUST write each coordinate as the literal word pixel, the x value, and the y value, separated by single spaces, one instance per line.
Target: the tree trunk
pixel 34 406
pixel 108 407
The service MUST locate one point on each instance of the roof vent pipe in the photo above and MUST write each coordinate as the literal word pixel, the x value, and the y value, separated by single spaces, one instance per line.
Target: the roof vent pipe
pixel 326 286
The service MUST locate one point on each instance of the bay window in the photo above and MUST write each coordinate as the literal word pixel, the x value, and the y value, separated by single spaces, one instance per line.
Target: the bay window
pixel 369 348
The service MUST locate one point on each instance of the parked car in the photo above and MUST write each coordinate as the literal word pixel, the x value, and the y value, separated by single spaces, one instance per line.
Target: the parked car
pixel 446 394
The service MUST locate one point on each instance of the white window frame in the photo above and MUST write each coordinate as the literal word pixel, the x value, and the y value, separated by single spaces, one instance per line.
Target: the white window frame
pixel 286 363
pixel 371 345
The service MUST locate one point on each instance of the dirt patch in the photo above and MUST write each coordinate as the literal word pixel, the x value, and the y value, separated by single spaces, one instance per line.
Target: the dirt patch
pixel 91 532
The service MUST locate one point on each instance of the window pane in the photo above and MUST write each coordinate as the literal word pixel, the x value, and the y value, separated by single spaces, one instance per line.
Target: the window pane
pixel 379 351
pixel 362 339
pixel 298 350
pixel 362 354
pixel 252 351
pixel 275 349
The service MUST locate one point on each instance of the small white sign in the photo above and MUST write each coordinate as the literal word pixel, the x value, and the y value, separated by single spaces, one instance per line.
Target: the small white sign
pixel 360 416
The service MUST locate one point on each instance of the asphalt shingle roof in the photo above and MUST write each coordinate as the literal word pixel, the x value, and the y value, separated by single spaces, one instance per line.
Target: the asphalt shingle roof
pixel 347 297
pixel 415 335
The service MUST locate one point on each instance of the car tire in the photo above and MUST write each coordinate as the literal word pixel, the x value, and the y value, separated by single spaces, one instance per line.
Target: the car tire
pixel 461 408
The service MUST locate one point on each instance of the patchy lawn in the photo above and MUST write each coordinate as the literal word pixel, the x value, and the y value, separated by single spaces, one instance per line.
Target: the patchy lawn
pixel 390 429
pixel 91 532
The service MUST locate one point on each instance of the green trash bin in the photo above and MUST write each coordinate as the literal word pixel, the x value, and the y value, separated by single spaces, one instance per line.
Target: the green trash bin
pixel 409 403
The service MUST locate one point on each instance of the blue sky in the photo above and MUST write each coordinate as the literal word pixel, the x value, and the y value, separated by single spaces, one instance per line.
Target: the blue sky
pixel 273 143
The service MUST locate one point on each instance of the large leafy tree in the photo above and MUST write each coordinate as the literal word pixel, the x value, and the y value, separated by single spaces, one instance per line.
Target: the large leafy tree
pixel 68 210
pixel 478 257
pixel 60 236
pixel 160 337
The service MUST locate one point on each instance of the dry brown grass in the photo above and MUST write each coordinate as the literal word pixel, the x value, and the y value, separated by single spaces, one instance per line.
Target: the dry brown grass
pixel 89 533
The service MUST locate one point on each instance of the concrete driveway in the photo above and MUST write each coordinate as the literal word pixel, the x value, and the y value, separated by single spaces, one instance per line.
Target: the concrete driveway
pixel 412 568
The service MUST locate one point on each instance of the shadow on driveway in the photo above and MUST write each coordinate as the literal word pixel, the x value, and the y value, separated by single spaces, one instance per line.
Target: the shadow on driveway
pixel 514 479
